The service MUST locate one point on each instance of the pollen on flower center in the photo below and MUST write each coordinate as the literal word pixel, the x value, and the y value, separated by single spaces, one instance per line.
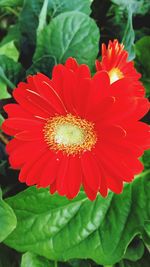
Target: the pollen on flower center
pixel 115 74
pixel 70 134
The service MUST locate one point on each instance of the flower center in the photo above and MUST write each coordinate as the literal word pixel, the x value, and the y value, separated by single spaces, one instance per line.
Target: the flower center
pixel 70 134
pixel 115 74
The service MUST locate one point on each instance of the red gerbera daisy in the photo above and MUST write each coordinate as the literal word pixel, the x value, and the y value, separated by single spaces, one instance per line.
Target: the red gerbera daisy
pixel 115 62
pixel 74 130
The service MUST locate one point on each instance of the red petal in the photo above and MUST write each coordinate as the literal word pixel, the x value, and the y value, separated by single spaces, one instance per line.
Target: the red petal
pixel 61 180
pixel 15 110
pixel 33 108
pixel 71 63
pixel 46 88
pixel 19 124
pixel 33 159
pixel 23 154
pixel 74 174
pixel 91 171
pixel 48 175
pixel 35 173
pixel 90 193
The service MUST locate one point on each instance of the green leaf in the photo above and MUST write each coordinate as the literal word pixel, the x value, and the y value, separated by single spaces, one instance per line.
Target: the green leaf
pixel 7 219
pixel 9 43
pixel 142 48
pixel 146 159
pixel 13 70
pixel 63 229
pixel 12 35
pixel 44 64
pixel 56 7
pixel 11 3
pixel 143 262
pixel 10 74
pixel 139 7
pixel 135 250
pixel 69 34
pixel 32 260
pixel 129 36
pixel 28 23
pixel 3 88
pixel 42 17
pixel 1 119
pixel 9 50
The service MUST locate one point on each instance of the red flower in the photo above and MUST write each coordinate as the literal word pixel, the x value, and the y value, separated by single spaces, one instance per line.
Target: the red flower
pixel 115 62
pixel 75 130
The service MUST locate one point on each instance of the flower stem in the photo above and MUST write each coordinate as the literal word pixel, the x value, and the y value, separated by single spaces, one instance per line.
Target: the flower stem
pixel 55 264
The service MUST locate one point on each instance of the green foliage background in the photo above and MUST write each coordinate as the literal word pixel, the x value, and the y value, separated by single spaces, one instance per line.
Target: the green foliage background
pixel 39 230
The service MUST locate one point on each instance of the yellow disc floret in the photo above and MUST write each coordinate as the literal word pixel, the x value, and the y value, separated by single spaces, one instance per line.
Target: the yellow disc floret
pixel 70 134
pixel 115 74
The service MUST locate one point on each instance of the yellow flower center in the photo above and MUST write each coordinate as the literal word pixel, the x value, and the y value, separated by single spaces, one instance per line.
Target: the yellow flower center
pixel 70 134
pixel 115 74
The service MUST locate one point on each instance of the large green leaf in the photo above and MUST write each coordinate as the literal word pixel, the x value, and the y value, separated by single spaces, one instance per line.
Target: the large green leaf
pixel 142 48
pixel 32 260
pixel 56 7
pixel 69 34
pixel 57 228
pixel 7 219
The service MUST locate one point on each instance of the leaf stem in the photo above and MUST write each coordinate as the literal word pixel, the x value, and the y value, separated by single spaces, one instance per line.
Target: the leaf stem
pixel 11 10
pixel 3 139
pixel 5 80
pixel 55 264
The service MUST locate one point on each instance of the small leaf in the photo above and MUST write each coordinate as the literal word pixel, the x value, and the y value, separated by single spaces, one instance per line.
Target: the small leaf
pixel 9 50
pixel 10 74
pixel 10 3
pixel 143 262
pixel 12 35
pixel 142 48
pixel 69 34
pixel 3 85
pixel 32 260
pixel 135 250
pixel 1 120
pixel 8 220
